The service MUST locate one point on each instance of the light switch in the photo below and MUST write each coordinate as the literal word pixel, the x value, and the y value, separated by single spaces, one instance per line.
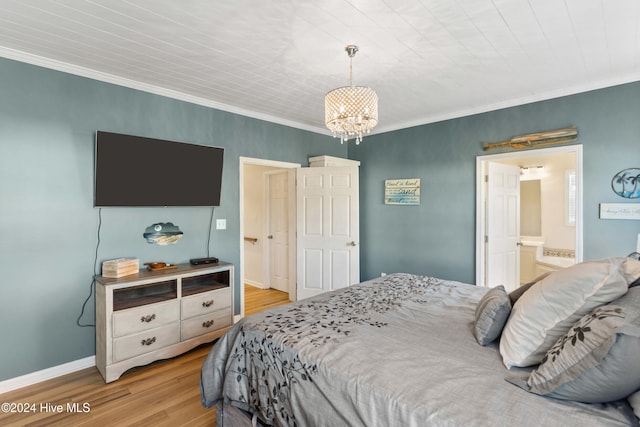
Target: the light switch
pixel 221 224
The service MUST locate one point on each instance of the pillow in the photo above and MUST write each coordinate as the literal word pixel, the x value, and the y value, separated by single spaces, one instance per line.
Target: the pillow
pixel 492 312
pixel 634 401
pixel 596 361
pixel 551 306
pixel 632 271
pixel 516 294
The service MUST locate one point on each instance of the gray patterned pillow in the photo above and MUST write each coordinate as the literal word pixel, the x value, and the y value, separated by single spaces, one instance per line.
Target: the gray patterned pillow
pixel 548 310
pixel 492 313
pixel 596 361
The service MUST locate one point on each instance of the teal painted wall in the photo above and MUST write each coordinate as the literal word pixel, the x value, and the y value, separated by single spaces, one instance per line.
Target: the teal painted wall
pixel 48 224
pixel 438 236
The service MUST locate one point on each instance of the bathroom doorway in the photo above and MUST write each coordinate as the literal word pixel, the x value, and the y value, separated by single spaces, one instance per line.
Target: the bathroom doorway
pixel 555 224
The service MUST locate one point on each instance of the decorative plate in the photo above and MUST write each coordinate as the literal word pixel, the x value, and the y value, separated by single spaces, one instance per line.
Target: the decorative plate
pixel 626 183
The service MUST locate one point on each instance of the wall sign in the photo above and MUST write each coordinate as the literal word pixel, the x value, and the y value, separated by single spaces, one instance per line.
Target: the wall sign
pixel 619 210
pixel 402 191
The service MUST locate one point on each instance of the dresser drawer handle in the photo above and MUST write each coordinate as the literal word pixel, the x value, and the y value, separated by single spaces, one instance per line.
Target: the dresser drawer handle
pixel 207 324
pixel 148 341
pixel 148 318
pixel 207 303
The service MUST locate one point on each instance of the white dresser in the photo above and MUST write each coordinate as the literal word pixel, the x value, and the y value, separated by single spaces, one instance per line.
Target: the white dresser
pixel 155 315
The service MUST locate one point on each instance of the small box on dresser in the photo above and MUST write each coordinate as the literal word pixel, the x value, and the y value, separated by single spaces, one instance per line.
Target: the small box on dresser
pixel 120 267
pixel 155 315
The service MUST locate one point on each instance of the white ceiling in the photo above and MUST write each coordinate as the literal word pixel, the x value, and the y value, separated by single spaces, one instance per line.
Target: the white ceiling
pixel 428 60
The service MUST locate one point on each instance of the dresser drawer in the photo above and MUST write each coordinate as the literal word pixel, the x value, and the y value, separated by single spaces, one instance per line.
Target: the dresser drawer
pixel 133 320
pixel 205 302
pixel 206 323
pixel 145 342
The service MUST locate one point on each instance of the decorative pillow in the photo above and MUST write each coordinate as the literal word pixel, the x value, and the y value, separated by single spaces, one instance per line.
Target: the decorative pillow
pixel 634 401
pixel 516 294
pixel 553 305
pixel 632 270
pixel 492 313
pixel 597 360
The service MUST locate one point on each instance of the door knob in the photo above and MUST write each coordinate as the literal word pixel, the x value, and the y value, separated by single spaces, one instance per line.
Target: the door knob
pixel 352 243
pixel 270 236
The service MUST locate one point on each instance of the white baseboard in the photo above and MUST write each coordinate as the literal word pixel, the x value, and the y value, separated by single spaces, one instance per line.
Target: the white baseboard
pixel 255 284
pixel 46 374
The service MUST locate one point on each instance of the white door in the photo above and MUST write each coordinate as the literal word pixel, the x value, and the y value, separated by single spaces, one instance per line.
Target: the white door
pixel 503 226
pixel 278 230
pixel 328 229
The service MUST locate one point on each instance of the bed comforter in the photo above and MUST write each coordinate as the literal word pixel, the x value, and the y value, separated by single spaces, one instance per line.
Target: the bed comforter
pixel 394 351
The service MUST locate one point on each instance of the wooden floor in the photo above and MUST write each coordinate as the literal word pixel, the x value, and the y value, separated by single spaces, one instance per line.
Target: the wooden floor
pixel 165 393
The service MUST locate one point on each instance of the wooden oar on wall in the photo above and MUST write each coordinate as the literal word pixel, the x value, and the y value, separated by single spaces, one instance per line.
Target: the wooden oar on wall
pixel 537 139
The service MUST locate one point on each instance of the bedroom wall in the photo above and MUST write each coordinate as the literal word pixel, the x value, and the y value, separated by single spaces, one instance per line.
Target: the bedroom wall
pixel 438 236
pixel 48 225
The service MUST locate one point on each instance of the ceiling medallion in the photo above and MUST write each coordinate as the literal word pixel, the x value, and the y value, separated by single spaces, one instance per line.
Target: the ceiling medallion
pixel 351 111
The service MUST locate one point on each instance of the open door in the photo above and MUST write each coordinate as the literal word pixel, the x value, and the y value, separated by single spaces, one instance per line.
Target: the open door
pixel 328 252
pixel 503 226
pixel 558 186
pixel 278 230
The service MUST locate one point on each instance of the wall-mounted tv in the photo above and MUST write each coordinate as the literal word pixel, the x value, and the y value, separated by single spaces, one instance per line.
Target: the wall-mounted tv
pixel 138 171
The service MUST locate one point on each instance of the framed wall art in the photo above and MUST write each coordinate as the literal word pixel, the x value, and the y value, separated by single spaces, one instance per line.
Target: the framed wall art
pixel 620 211
pixel 626 183
pixel 404 191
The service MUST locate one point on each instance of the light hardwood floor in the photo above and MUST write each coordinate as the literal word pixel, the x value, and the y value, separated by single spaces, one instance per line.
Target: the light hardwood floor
pixel 165 393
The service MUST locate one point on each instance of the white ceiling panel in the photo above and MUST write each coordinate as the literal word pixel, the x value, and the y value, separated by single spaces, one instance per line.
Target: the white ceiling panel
pixel 428 60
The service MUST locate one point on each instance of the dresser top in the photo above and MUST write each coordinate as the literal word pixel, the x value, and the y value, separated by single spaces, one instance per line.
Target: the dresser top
pixel 168 273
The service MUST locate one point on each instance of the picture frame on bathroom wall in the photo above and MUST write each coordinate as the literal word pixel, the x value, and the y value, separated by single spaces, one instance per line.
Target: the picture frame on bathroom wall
pixel 620 211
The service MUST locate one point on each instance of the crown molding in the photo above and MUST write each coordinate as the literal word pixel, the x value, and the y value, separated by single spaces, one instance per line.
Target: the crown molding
pixel 515 102
pixel 433 118
pixel 65 67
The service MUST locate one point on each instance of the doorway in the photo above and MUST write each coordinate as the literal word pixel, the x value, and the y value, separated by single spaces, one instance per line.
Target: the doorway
pixel 524 159
pixel 268 186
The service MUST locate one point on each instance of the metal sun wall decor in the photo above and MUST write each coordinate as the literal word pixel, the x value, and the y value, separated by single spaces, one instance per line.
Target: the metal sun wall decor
pixel 626 183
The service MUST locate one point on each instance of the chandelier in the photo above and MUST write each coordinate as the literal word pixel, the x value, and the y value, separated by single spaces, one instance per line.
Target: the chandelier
pixel 351 111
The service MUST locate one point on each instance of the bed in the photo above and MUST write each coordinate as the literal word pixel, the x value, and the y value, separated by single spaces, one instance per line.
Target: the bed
pixel 411 350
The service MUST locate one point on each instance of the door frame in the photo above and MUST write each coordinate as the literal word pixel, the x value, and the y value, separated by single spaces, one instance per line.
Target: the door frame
pixel 481 196
pixel 292 215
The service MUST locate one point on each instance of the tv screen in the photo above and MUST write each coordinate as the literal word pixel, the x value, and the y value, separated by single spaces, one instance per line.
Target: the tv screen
pixel 138 171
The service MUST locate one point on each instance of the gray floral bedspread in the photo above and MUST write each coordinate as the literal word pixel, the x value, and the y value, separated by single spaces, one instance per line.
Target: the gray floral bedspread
pixel 393 351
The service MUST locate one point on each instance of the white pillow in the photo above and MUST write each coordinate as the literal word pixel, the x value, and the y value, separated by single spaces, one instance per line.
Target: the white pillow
pixel 634 401
pixel 550 308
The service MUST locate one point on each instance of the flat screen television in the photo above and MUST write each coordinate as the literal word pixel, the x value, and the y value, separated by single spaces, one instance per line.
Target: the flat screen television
pixel 138 171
